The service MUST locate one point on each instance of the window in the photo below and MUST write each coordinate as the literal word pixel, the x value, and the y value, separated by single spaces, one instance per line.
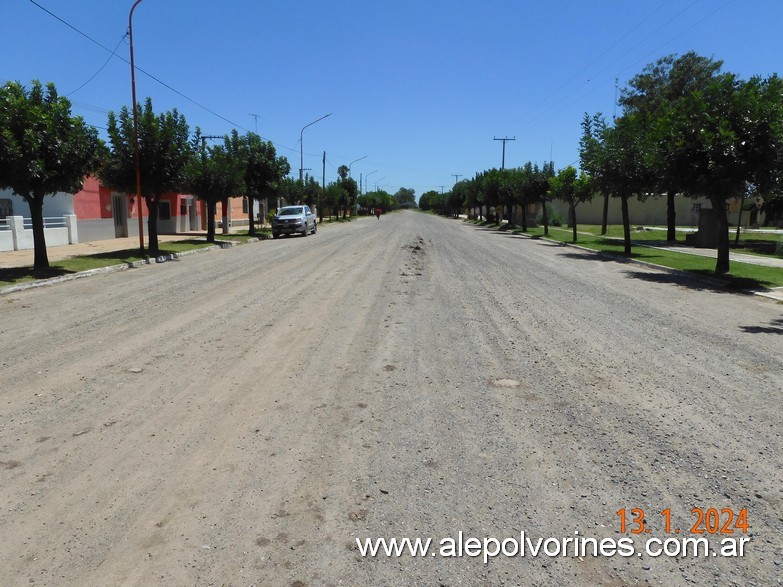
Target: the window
pixel 244 205
pixel 164 211
pixel 6 208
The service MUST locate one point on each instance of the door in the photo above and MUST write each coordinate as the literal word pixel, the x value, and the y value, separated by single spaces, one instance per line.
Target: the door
pixel 184 207
pixel 119 211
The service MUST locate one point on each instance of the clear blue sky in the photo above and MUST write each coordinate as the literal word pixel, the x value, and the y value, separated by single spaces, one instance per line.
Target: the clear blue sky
pixel 421 88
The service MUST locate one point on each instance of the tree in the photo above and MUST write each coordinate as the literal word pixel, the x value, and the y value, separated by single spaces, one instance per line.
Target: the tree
pixel 213 176
pixel 164 155
pixel 264 170
pixel 43 150
pixel 405 197
pixel 539 189
pixel 520 181
pixel 429 200
pixel 649 94
pixel 590 155
pixel 334 195
pixel 491 182
pixel 618 158
pixel 732 135
pixel 572 189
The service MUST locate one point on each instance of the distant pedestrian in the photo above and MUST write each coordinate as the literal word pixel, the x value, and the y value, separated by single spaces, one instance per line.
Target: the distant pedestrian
pixel 378 213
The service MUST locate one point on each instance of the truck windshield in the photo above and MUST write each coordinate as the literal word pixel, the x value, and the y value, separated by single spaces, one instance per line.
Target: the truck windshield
pixel 290 211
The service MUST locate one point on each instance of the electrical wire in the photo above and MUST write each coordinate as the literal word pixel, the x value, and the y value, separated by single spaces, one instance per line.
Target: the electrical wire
pixel 154 78
pixel 113 54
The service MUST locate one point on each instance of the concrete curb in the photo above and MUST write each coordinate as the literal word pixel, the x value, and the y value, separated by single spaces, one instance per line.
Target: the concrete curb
pixel 116 268
pixel 709 281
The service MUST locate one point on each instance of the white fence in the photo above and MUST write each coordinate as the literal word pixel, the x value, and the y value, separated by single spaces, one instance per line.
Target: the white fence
pixel 16 232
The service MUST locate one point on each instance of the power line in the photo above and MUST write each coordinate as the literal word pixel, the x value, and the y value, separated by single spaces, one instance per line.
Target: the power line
pixel 113 54
pixel 149 75
pixel 548 106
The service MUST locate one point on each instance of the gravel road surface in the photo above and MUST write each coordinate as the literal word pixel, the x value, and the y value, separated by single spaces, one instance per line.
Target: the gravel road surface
pixel 241 417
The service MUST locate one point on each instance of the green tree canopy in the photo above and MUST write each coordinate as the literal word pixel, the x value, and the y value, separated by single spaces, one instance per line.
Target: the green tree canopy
pixel 649 95
pixel 571 188
pixel 43 150
pixel 164 154
pixel 264 170
pixel 731 134
pixel 214 175
pixel 405 197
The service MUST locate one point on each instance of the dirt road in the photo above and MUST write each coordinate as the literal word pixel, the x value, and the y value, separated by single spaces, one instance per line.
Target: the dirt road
pixel 241 417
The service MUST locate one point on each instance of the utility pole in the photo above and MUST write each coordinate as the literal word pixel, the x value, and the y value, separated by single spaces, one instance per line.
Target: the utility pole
pixel 504 139
pixel 441 188
pixel 456 177
pixel 205 137
pixel 614 114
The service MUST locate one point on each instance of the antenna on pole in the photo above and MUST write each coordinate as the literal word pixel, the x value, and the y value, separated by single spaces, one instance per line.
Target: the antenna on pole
pixel 256 119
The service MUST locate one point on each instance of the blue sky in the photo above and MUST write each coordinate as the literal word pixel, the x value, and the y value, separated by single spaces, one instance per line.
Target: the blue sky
pixel 421 88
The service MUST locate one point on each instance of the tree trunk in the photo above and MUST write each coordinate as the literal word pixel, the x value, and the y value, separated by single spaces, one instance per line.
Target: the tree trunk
pixel 152 224
pixel 626 226
pixel 524 217
pixel 251 226
pixel 719 206
pixel 573 219
pixel 739 223
pixel 545 218
pixel 606 213
pixel 41 257
pixel 211 211
pixel 671 220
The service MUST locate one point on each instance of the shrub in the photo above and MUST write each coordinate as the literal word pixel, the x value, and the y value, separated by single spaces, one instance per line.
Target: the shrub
pixel 553 216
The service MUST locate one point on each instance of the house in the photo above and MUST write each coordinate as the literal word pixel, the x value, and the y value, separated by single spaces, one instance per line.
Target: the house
pixel 99 212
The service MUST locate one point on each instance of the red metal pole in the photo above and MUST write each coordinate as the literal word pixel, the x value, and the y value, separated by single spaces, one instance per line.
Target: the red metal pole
pixel 136 129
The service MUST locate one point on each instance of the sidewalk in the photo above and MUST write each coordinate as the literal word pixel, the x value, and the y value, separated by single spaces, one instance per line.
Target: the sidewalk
pixel 739 257
pixel 24 258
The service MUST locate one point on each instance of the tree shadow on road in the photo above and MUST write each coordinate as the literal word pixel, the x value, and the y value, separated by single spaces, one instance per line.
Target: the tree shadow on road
pixel 11 275
pixel 775 327
pixel 701 281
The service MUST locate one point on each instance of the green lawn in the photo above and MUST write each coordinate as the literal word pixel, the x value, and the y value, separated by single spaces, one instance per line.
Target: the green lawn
pixel 751 243
pixel 742 274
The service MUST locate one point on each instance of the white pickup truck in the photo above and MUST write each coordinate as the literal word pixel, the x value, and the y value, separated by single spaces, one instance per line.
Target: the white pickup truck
pixel 294 220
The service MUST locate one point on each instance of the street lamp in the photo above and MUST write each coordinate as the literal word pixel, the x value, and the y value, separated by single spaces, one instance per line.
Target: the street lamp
pixel 136 129
pixel 379 181
pixel 301 145
pixel 354 161
pixel 365 179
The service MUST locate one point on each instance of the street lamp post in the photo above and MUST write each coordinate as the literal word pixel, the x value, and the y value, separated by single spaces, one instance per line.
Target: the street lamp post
pixel 301 145
pixel 354 161
pixel 136 129
pixel 365 179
